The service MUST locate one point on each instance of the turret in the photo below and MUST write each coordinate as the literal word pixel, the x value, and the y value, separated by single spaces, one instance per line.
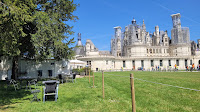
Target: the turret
pixel 166 39
pixel 79 43
pixel 133 21
pixel 157 30
pixel 143 26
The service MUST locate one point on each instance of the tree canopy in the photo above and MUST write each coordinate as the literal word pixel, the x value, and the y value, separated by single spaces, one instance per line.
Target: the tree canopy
pixel 36 29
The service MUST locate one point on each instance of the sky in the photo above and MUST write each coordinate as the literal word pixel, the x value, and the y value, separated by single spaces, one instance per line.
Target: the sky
pixel 97 18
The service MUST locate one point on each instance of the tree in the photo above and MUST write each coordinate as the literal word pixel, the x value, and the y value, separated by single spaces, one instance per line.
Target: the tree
pixel 36 29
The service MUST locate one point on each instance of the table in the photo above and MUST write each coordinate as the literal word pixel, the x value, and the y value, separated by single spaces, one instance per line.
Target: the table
pixel 26 78
pixel 68 76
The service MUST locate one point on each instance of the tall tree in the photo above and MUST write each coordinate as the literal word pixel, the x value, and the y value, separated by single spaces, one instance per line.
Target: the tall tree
pixel 35 29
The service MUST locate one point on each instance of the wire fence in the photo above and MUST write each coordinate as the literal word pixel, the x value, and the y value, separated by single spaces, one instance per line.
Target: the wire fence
pixel 155 82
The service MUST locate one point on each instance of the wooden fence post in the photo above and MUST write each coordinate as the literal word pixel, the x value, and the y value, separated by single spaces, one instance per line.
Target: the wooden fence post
pixel 103 84
pixel 89 75
pixel 93 79
pixel 132 93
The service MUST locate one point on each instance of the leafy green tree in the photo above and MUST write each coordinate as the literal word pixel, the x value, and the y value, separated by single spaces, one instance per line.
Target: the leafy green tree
pixel 36 29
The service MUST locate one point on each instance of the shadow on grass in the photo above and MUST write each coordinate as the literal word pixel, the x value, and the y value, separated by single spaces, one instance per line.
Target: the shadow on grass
pixel 8 95
pixel 4 108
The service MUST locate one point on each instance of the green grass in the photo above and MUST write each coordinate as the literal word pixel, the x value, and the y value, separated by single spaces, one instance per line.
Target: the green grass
pixel 80 97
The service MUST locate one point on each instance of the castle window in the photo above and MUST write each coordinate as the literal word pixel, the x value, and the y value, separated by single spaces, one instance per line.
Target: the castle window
pixel 147 50
pixel 88 62
pixel 133 62
pixel 177 62
pixel 150 50
pixel 156 50
pixel 106 62
pixel 165 39
pixel 142 63
pixel 159 50
pixel 185 62
pixel 161 63
pixel 152 64
pixel 124 63
pixel 169 61
pixel 153 50
pixel 190 62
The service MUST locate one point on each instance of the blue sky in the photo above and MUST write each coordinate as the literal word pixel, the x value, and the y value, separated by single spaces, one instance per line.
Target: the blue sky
pixel 98 17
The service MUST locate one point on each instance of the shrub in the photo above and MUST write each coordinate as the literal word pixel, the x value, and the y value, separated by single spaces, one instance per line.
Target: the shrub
pixel 76 71
pixel 82 70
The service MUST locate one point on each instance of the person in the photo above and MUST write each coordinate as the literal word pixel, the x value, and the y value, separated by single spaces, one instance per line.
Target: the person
pixel 193 66
pixel 158 68
pixel 190 68
pixel 175 67
pixel 199 66
pixel 187 68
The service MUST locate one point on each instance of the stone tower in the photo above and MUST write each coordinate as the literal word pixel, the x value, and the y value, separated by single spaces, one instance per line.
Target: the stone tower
pixel 118 40
pixel 180 38
pixel 143 26
pixel 157 36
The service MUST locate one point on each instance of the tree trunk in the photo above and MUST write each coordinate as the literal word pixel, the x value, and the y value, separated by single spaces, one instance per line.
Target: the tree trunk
pixel 14 68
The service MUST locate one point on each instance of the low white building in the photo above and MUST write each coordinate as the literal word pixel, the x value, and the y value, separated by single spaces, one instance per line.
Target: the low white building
pixel 45 69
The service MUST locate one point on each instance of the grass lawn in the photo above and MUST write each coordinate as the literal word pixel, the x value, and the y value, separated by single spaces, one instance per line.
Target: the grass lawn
pixel 80 97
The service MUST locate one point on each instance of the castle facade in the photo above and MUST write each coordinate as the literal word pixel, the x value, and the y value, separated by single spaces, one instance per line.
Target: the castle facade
pixel 136 48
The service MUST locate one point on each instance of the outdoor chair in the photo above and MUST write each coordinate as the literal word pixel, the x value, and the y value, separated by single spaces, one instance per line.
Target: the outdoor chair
pixel 32 82
pixel 14 83
pixel 34 91
pixel 72 77
pixel 60 78
pixel 7 82
pixel 51 88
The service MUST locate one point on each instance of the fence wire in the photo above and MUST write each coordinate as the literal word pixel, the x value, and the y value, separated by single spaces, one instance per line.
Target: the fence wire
pixel 155 82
